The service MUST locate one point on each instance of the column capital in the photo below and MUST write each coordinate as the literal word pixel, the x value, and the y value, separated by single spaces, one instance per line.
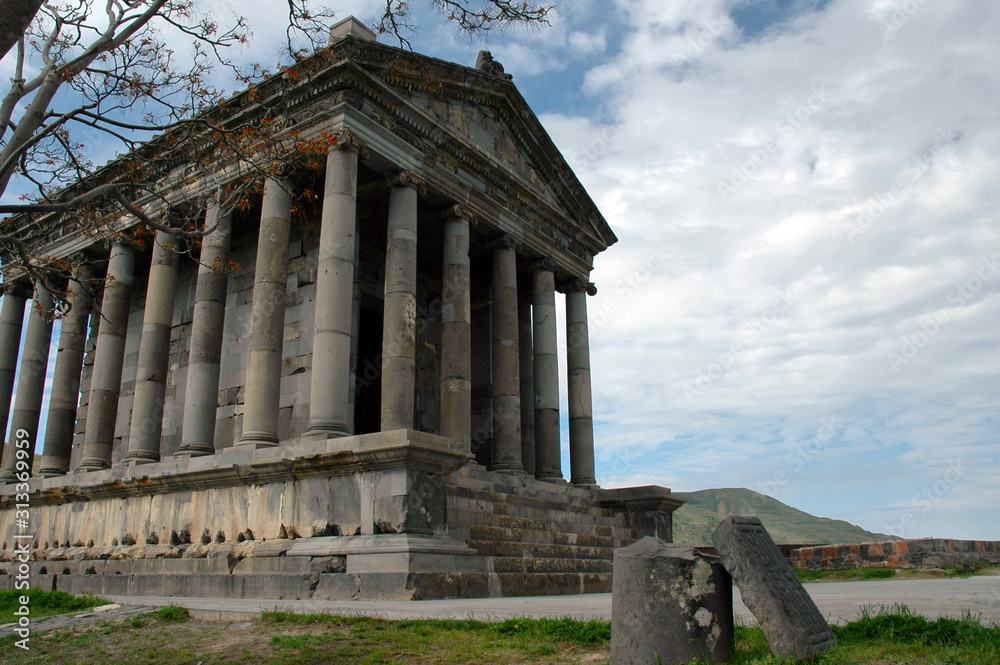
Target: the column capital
pixel 506 241
pixel 577 285
pixel 19 288
pixel 460 211
pixel 545 263
pixel 345 139
pixel 408 179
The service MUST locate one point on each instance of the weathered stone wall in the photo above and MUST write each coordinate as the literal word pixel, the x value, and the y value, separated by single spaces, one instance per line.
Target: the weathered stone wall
pixel 541 538
pixel 923 553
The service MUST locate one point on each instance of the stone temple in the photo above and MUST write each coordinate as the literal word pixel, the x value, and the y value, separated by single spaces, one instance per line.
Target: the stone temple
pixel 368 407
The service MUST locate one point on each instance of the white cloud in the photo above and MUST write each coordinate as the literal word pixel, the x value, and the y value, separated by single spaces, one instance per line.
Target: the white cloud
pixel 858 170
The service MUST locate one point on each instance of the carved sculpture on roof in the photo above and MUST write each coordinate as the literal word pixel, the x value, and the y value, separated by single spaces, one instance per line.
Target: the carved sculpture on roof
pixel 486 63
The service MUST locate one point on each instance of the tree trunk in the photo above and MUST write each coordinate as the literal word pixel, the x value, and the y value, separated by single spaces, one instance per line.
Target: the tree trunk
pixel 14 20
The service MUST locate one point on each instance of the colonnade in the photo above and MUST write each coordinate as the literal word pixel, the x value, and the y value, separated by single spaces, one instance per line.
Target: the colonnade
pixel 524 399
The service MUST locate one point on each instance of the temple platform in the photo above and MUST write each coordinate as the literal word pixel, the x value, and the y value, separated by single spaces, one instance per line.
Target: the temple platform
pixel 386 516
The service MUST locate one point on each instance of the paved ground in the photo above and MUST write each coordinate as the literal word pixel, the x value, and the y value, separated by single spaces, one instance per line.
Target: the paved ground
pixel 839 601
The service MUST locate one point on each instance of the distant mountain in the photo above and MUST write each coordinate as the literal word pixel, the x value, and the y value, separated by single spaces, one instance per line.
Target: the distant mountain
pixel 695 521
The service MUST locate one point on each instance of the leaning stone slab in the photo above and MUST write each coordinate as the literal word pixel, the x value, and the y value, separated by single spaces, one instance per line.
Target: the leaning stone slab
pixel 670 604
pixel 793 624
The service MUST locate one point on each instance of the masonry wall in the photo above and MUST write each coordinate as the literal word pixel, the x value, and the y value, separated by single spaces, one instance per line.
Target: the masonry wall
pixel 923 553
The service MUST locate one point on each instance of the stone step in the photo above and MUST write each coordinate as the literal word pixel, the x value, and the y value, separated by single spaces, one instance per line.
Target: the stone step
pixel 545 536
pixel 503 564
pixel 522 549
pixel 553 584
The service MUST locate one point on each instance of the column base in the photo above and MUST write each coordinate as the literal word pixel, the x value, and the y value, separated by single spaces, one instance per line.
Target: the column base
pixel 550 477
pixel 94 465
pixel 142 457
pixel 192 449
pixel 584 482
pixel 510 468
pixel 332 429
pixel 50 470
pixel 258 439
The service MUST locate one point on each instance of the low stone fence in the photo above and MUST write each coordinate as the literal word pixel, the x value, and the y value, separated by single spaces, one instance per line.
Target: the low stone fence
pixel 923 553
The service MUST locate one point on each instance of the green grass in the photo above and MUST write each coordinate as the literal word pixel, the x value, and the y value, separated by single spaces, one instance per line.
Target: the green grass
pixel 857 574
pixel 44 603
pixel 880 636
pixel 845 575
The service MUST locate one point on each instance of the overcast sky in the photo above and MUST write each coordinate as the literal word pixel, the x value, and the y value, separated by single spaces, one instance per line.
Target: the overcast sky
pixel 804 297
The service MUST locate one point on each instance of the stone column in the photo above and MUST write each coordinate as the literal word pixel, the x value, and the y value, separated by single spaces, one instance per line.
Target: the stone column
pixel 525 349
pixel 201 392
pixel 329 406
pixel 506 387
pixel 65 393
pixel 30 383
pixel 106 380
pixel 456 332
pixel 548 465
pixel 267 318
pixel 581 410
pixel 154 353
pixel 11 322
pixel 400 323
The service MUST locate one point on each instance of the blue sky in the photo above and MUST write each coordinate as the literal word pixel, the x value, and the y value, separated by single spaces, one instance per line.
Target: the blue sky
pixel 804 298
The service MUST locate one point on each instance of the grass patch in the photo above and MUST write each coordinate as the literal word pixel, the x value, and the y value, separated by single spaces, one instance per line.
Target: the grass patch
pixel 44 603
pixel 857 574
pixel 172 614
pixel 860 574
pixel 880 636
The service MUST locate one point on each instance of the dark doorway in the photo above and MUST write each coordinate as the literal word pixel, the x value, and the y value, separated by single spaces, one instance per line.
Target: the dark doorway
pixel 368 385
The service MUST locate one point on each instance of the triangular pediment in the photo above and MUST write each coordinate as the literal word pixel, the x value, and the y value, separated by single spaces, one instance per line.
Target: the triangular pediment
pixel 486 114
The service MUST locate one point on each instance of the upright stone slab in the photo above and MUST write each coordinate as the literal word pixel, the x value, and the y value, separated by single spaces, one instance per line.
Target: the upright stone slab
pixel 670 604
pixel 793 624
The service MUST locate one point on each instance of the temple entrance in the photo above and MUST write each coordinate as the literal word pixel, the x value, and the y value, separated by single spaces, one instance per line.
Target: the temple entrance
pixel 368 384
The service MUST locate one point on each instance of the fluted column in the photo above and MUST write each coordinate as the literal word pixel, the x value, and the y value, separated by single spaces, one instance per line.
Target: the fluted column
pixel 106 380
pixel 267 318
pixel 30 386
pixel 146 427
pixel 525 349
pixel 581 410
pixel 329 406
pixel 400 323
pixel 65 392
pixel 201 392
pixel 506 387
pixel 548 464
pixel 456 331
pixel 11 323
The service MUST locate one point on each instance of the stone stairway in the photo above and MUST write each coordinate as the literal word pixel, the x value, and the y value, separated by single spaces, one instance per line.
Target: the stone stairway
pixel 540 538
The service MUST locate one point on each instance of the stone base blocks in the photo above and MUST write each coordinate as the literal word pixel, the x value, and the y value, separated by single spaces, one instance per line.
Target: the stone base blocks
pixel 671 604
pixel 386 516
